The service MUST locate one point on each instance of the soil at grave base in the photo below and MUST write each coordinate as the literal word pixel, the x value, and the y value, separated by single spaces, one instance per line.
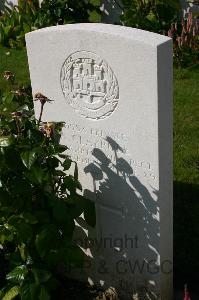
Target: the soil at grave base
pixel 75 290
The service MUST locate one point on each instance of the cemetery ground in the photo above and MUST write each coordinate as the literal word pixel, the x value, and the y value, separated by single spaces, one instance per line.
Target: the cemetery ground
pixel 186 162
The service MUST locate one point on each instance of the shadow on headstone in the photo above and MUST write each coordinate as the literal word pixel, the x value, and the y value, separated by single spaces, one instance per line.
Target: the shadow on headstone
pixel 127 209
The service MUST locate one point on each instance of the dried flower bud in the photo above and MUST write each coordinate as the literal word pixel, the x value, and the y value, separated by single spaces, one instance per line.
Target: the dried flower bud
pixel 47 129
pixel 8 75
pixel 43 99
pixel 19 92
pixel 16 115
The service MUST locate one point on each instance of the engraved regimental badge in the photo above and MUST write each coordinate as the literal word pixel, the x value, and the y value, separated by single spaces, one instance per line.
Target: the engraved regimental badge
pixel 89 85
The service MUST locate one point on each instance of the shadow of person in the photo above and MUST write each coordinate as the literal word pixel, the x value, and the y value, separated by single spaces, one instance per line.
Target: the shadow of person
pixel 125 252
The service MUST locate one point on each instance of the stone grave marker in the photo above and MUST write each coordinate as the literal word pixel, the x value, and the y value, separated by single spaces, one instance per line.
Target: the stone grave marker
pixel 112 87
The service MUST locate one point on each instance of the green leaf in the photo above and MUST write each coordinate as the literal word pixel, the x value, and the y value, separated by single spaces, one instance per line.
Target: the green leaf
pixel 95 17
pixel 53 162
pixel 44 295
pixel 173 3
pixel 68 226
pixel 71 254
pixel 42 216
pixel 22 251
pixel 6 141
pixel 95 2
pixel 38 175
pixel 28 158
pixel 20 186
pixel 60 211
pixel 30 218
pixel 9 98
pixel 41 276
pixel 67 164
pixel 29 291
pixel 61 148
pixel 45 240
pixel 26 28
pixel 7 29
pixel 18 274
pixel 89 212
pixel 35 136
pixel 23 229
pixel 5 198
pixel 74 255
pixel 59 173
pixel 25 232
pixel 74 209
pixel 14 220
pixel 5 234
pixel 12 293
pixel 70 184
pixel 63 156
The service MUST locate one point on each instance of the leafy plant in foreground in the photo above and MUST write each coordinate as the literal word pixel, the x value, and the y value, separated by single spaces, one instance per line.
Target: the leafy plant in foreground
pixel 39 200
pixel 16 22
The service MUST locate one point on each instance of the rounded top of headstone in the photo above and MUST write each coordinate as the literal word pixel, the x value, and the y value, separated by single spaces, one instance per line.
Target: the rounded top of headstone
pixel 139 35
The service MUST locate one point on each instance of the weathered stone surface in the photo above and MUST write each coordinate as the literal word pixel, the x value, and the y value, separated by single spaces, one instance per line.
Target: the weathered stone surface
pixel 112 87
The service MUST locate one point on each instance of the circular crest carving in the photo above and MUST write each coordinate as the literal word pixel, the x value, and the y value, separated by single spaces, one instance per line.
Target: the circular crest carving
pixel 89 85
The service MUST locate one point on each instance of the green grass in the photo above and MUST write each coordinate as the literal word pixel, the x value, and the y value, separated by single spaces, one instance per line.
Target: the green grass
pixel 186 125
pixel 14 60
pixel 186 161
pixel 186 177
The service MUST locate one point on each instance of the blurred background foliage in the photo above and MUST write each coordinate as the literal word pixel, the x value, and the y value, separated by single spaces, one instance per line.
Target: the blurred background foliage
pixel 159 16
pixel 15 22
pixel 151 15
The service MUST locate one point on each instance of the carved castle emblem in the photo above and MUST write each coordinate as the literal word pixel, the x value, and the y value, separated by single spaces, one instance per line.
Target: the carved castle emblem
pixel 89 85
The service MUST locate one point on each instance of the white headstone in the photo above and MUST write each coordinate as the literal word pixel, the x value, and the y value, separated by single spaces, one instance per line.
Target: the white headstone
pixel 112 87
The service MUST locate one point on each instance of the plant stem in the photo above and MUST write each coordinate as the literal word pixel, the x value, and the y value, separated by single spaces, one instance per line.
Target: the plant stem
pixel 18 127
pixel 41 113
